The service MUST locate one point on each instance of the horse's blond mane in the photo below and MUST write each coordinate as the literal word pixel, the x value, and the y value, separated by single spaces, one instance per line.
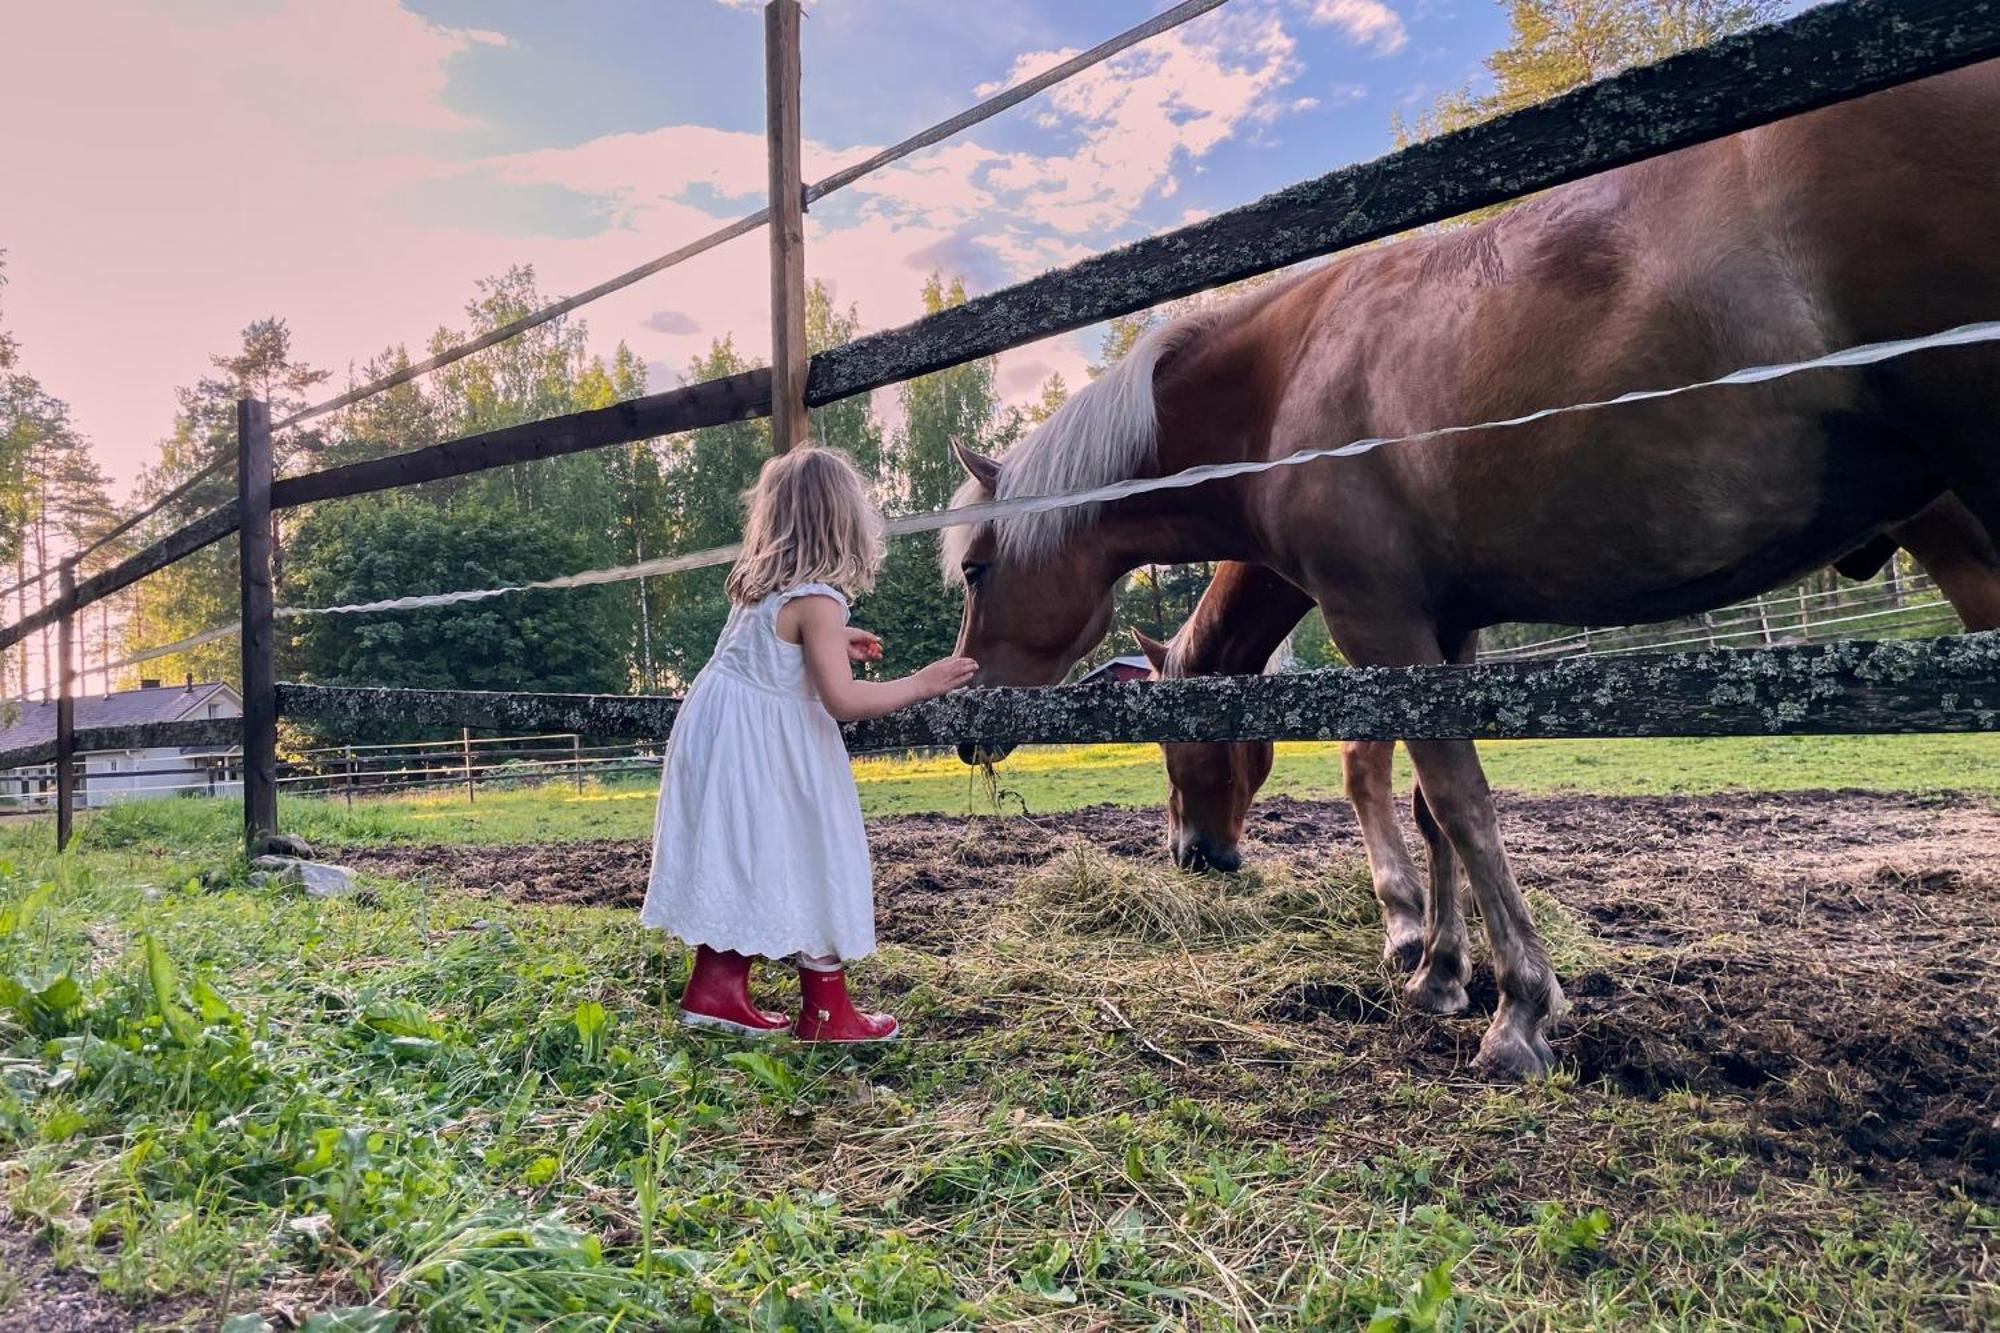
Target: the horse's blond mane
pixel 1107 431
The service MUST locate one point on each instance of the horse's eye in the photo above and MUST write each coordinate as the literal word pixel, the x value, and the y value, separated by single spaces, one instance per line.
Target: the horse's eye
pixel 972 570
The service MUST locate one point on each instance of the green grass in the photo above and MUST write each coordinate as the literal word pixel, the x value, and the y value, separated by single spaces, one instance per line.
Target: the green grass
pixel 473 1114
pixel 1065 779
pixel 1048 780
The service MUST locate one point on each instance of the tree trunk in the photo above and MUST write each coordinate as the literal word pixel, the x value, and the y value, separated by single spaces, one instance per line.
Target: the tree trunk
pixel 41 577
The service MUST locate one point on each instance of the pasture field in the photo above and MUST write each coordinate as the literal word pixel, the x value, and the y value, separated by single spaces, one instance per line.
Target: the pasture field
pixel 1131 1098
pixel 1052 780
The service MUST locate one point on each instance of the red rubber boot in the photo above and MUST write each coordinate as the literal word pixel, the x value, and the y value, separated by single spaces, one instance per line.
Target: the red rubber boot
pixel 718 996
pixel 826 1014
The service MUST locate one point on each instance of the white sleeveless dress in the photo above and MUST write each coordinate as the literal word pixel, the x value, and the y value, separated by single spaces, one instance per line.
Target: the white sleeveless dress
pixel 758 845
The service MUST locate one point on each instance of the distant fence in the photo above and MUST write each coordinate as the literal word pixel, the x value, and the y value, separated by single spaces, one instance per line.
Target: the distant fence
pixel 1902 604
pixel 1824 55
pixel 466 764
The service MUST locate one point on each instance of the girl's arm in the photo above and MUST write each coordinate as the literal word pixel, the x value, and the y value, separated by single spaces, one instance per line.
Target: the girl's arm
pixel 823 634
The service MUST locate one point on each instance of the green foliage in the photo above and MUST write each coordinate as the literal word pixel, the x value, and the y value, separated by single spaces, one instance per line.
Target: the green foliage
pixel 914 610
pixel 1557 45
pixel 1571 1237
pixel 1428 1307
pixel 52 493
pixel 706 473
pixel 570 639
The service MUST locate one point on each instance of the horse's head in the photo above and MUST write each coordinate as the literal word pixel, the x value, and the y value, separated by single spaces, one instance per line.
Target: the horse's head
pixel 1210 785
pixel 1038 586
pixel 1031 613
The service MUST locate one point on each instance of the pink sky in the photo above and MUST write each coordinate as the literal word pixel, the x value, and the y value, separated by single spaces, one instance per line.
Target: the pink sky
pixel 181 169
pixel 187 168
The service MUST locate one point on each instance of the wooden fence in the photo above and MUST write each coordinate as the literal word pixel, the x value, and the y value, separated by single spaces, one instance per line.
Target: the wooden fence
pixel 1825 55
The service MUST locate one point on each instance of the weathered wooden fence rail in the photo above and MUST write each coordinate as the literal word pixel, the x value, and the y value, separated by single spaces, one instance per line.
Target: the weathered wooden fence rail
pixel 216 731
pixel 1908 685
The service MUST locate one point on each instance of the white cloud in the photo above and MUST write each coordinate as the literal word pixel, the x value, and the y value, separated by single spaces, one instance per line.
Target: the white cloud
pixel 172 210
pixel 1177 97
pixel 1366 23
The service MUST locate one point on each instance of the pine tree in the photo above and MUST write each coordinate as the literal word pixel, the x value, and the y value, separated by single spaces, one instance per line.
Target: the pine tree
pixel 848 425
pixel 914 610
pixel 706 473
pixel 1054 394
pixel 53 499
pixel 201 591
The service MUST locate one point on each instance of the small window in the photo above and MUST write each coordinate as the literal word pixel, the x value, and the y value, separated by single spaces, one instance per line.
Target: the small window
pixel 215 710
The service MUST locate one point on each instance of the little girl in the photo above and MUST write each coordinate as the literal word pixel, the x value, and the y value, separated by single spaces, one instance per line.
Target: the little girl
pixel 758 849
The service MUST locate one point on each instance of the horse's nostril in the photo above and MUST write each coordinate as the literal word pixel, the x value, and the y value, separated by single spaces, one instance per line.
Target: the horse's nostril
pixel 1226 859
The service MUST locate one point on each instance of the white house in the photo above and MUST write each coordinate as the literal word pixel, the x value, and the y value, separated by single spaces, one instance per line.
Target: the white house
pixel 122 775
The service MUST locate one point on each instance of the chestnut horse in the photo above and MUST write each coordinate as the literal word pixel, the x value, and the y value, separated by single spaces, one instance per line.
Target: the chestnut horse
pixel 1861 222
pixel 1247 611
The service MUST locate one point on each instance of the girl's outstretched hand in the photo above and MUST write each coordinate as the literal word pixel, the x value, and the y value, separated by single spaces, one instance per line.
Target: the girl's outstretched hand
pixel 945 674
pixel 863 646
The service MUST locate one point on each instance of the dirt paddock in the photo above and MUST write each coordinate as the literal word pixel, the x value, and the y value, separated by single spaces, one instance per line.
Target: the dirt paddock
pixel 1830 960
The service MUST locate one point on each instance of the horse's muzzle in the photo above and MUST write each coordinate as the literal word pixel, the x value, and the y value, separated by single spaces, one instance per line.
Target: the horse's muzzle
pixel 983 754
pixel 1200 853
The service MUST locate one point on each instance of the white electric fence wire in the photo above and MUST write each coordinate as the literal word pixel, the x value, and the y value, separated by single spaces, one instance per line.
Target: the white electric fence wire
pixel 1865 354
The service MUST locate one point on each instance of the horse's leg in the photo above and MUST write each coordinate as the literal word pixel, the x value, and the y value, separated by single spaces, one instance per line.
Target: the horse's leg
pixel 1367 767
pixel 1439 985
pixel 1454 786
pixel 1961 557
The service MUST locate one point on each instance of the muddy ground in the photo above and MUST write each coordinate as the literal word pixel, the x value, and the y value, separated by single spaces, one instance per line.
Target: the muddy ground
pixel 37 1297
pixel 1830 960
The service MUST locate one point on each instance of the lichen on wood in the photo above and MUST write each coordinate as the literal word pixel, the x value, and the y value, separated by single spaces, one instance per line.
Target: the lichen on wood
pixel 1909 685
pixel 218 731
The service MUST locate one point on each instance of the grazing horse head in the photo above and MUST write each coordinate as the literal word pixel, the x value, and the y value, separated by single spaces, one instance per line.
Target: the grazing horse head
pixel 1210 784
pixel 1039 586
pixel 1244 616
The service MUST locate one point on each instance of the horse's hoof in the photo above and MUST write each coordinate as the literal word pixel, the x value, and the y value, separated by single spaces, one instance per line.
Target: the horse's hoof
pixel 1505 1056
pixel 1406 956
pixel 1435 990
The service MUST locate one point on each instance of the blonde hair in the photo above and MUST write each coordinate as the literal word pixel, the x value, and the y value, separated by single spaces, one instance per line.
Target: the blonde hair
pixel 811 521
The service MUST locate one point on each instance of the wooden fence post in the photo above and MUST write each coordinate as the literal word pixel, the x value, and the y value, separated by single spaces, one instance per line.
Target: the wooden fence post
pixel 788 226
pixel 465 753
pixel 576 760
pixel 254 468
pixel 66 706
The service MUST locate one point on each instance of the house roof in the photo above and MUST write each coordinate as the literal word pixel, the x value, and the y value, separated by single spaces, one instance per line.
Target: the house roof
pixel 1132 660
pixel 36 723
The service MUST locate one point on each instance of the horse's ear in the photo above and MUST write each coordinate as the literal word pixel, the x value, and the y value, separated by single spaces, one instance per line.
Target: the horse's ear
pixel 1155 651
pixel 984 470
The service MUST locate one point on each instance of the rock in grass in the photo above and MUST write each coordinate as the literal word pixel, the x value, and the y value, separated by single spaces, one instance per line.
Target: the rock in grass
pixel 284 844
pixel 319 878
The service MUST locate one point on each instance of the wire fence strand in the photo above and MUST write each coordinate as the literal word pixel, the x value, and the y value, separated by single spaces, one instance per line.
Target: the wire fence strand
pixel 1017 506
